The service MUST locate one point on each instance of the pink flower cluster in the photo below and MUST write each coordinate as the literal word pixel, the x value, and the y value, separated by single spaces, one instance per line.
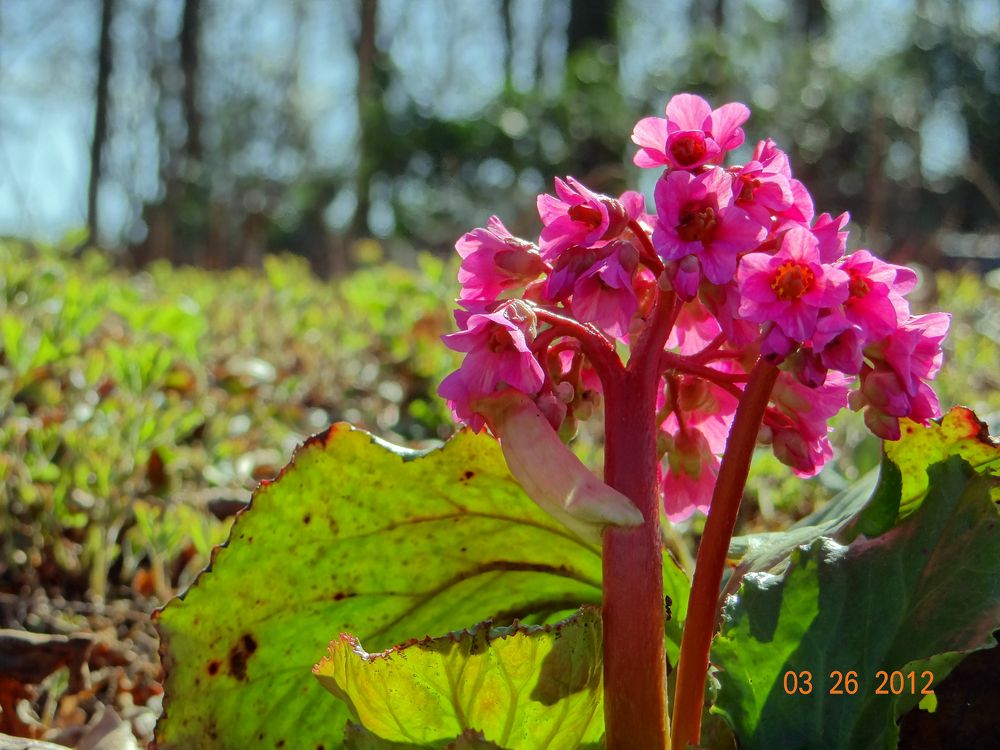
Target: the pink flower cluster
pixel 750 269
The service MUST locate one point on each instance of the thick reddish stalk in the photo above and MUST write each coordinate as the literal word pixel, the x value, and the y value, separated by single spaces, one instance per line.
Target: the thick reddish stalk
pixel 635 665
pixel 635 695
pixel 699 627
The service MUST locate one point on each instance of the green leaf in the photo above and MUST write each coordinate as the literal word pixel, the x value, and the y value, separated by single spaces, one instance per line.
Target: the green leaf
pixel 765 551
pixel 523 688
pixel 959 432
pixel 357 537
pixel 358 738
pixel 882 510
pixel 907 600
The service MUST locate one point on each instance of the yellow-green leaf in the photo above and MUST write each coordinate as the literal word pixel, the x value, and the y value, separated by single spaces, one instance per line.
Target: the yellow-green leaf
pixel 523 688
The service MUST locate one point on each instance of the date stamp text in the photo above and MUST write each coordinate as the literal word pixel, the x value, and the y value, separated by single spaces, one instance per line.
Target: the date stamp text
pixel 849 683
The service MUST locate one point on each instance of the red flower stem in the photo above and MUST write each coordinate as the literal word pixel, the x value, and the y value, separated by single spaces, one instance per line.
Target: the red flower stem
pixel 670 361
pixel 699 628
pixel 650 259
pixel 599 350
pixel 635 666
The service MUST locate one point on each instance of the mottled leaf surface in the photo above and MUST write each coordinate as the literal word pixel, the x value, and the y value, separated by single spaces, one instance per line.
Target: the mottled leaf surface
pixel 958 433
pixel 355 537
pixel 930 586
pixel 523 688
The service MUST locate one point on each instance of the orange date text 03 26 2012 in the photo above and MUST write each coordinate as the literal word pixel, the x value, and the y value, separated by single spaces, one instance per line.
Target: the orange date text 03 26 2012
pixel 849 683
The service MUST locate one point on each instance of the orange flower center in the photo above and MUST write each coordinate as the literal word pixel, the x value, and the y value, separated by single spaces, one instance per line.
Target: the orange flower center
pixel 792 280
pixel 697 225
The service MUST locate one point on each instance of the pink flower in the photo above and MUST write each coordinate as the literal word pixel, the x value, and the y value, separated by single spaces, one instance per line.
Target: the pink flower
pixel 799 420
pixel 831 236
pixel 455 391
pixel 694 328
pixel 763 186
pixel 914 349
pixel 571 264
pixel 497 356
pixel 885 400
pixel 876 303
pixel 689 481
pixel 604 294
pixel 706 406
pixel 494 260
pixel 839 342
pixel 695 216
pixel 692 135
pixel 802 211
pixel 579 216
pixel 684 276
pixel 790 287
pixel 896 386
pixel 724 304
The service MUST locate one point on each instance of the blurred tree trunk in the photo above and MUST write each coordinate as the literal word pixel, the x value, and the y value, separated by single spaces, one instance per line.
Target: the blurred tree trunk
pixel 508 36
pixel 186 170
pixel 369 106
pixel 814 18
pixel 105 57
pixel 180 168
pixel 590 21
pixel 189 39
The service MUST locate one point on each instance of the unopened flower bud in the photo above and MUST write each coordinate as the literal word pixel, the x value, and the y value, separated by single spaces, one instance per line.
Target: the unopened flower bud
pixel 617 217
pixel 553 409
pixel 565 392
pixel 686 276
pixel 692 393
pixel 521 314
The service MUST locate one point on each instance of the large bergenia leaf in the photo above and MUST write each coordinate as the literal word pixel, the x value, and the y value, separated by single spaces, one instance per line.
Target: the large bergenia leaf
pixel 523 688
pixel 358 537
pixel 355 537
pixel 908 600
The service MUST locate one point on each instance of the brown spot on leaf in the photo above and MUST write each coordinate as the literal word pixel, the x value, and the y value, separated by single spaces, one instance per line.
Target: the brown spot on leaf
pixel 240 654
pixel 213 667
pixel 468 475
pixel 307 518
pixel 342 595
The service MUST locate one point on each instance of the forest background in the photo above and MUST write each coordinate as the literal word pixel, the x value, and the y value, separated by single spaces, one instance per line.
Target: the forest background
pixel 214 131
